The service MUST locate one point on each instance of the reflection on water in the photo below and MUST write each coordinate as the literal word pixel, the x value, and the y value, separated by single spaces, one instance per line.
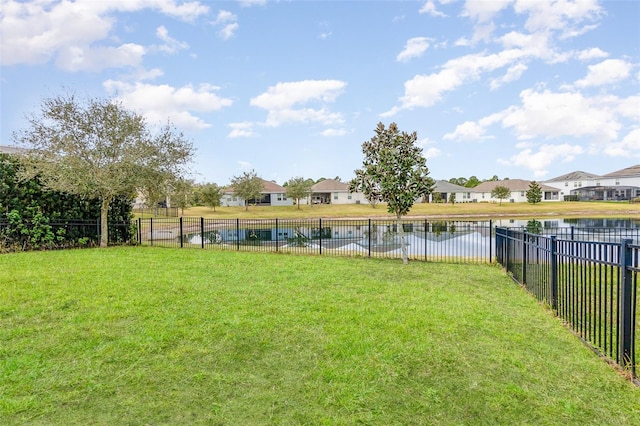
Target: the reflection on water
pixel 617 223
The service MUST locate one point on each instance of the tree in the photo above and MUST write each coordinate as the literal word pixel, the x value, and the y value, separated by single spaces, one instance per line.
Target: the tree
pixel 500 192
pixel 534 194
pixel 247 186
pixel 182 191
pixel 452 198
pixel 298 188
pixel 99 149
pixel 211 195
pixel 394 171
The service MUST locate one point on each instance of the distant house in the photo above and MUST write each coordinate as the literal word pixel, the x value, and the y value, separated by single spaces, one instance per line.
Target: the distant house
pixel 518 189
pixel 619 185
pixel 444 190
pixel 272 195
pixel 331 191
pixel 11 150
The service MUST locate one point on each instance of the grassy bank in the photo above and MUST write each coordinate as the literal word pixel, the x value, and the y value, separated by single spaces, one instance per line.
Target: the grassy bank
pixel 460 210
pixel 162 336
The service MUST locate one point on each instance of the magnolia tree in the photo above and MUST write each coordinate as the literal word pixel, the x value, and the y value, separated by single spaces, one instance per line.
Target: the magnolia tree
pixel 395 172
pixel 99 149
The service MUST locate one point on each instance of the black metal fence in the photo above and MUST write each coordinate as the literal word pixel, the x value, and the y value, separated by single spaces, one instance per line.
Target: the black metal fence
pixel 27 234
pixel 592 285
pixel 451 241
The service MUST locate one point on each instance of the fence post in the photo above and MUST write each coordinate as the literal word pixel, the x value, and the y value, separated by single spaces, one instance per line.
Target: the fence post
pixel 139 231
pixel 181 237
pixel 369 237
pixel 426 226
pixel 491 245
pixel 625 327
pixel 201 232
pixel 238 234
pixel 151 229
pixel 554 273
pixel 524 257
pixel 276 234
pixel 320 235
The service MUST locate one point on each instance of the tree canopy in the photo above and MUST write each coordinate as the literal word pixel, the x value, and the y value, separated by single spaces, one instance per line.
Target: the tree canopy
pixel 394 171
pixel 211 195
pixel 99 149
pixel 247 186
pixel 297 188
pixel 501 193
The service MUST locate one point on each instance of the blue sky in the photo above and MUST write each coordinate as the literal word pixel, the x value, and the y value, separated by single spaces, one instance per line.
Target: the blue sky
pixel 521 89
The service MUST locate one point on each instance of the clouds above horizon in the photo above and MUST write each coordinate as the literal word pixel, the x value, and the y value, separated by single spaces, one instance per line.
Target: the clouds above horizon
pixel 539 81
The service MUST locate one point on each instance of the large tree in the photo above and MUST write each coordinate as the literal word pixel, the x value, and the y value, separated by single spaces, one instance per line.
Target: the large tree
pixel 394 171
pixel 298 188
pixel 247 186
pixel 99 149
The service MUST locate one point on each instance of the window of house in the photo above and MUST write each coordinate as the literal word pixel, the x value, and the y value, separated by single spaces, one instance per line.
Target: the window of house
pixel 279 197
pixel 348 197
pixel 597 183
pixel 522 193
pixel 617 181
pixel 335 197
pixel 566 184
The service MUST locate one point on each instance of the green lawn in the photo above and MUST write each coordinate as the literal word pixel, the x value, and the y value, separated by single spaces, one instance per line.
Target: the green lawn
pixel 144 335
pixel 431 210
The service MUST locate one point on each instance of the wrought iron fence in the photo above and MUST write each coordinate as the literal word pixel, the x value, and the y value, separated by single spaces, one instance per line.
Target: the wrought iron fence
pixel 27 234
pixel 592 285
pixel 453 241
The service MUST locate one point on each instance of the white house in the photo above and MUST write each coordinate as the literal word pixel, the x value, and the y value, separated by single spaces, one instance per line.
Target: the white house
pixel 331 191
pixel 444 189
pixel 272 195
pixel 619 185
pixel 518 189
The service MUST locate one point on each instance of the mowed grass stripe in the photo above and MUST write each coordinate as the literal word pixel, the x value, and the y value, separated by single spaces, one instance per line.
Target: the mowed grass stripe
pixel 167 336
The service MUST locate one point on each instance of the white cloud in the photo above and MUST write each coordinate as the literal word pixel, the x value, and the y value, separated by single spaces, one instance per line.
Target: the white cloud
pixel 245 165
pixel 241 130
pixel 228 24
pixel 549 114
pixel 609 71
pixel 249 3
pixel 565 16
pixel 513 73
pixel 593 53
pixel 629 146
pixel 161 102
pixel 414 48
pixel 484 11
pixel 546 155
pixel 467 131
pixel 431 152
pixel 171 45
pixel 38 32
pixel 335 132
pixel 280 100
pixel 430 8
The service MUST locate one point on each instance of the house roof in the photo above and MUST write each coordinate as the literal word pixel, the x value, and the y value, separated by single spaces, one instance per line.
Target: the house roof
pixel 11 150
pixel 330 185
pixel 574 176
pixel 629 171
pixel 512 184
pixel 445 186
pixel 269 188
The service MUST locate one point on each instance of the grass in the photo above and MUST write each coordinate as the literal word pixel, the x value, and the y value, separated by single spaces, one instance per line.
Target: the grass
pixel 166 336
pixel 459 210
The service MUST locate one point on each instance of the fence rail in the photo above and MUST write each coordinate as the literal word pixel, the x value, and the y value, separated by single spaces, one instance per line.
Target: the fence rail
pixel 592 285
pixel 456 241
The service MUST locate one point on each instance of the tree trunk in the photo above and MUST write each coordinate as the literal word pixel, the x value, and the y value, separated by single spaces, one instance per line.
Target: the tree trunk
pixel 405 256
pixel 104 226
